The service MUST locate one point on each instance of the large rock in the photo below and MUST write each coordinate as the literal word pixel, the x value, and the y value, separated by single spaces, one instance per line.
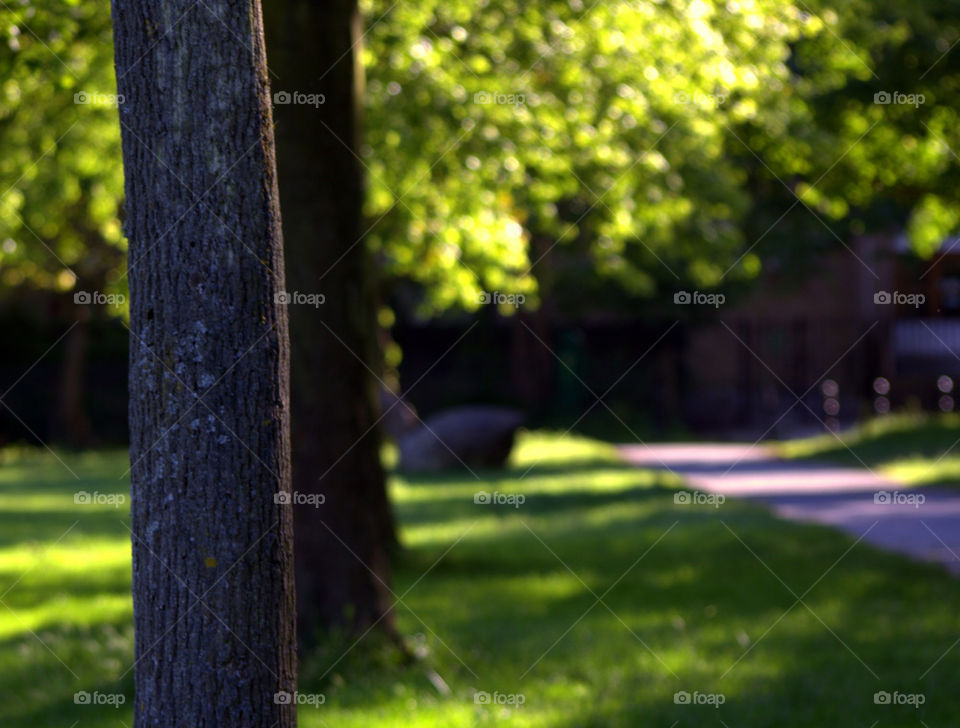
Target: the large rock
pixel 475 437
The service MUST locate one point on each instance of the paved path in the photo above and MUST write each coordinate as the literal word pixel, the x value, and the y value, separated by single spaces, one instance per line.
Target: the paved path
pixel 822 493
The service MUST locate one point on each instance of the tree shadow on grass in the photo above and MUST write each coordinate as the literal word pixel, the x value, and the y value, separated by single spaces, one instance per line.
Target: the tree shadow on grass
pixel 880 443
pixel 36 685
pixel 44 526
pixel 42 586
pixel 706 598
pixel 437 510
pixel 512 608
pixel 547 468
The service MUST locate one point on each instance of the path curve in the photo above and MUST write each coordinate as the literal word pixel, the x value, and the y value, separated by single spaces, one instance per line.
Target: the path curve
pixel 851 499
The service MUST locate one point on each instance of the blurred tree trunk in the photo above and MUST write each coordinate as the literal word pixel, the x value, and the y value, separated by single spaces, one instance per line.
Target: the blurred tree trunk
pixel 72 425
pixel 212 543
pixel 342 547
pixel 535 370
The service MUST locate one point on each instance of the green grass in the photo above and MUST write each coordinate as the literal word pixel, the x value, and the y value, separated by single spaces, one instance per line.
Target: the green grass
pixel 497 598
pixel 914 449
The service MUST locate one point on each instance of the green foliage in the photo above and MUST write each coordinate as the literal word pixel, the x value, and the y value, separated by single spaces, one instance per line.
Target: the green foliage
pixel 933 219
pixel 496 133
pixel 651 144
pixel 869 143
pixel 582 150
pixel 59 148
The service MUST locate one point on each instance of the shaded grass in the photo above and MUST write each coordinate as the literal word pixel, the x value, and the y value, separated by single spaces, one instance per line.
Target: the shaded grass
pixel 503 599
pixel 918 449
pixel 66 617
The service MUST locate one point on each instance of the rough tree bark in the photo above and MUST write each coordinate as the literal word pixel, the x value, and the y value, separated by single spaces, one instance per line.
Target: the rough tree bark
pixel 342 547
pixel 209 423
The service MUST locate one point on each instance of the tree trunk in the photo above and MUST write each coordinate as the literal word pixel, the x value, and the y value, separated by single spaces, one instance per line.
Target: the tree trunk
pixel 213 584
pixel 342 546
pixel 72 425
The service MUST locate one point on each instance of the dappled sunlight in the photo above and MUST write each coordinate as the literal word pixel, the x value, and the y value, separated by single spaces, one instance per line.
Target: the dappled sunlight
pixel 465 364
pixel 913 449
pixel 80 610
pixel 923 471
pixel 73 559
pixel 499 601
pixel 503 599
pixel 547 448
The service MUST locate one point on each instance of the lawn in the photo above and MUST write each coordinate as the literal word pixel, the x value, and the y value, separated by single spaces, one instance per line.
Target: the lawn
pixel 592 603
pixel 917 449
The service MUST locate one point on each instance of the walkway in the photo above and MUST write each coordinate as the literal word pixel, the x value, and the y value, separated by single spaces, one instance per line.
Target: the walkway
pixel 923 523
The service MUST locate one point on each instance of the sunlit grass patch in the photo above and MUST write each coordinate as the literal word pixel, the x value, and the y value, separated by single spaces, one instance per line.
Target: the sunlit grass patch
pixel 915 449
pixel 500 600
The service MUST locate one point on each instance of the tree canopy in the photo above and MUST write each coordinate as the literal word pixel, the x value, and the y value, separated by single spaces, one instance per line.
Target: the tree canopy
pixel 652 144
pixel 558 145
pixel 62 189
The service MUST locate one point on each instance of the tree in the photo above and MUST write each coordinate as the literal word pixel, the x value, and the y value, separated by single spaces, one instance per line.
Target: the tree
pixel 882 136
pixel 556 152
pixel 343 545
pixel 209 422
pixel 527 131
pixel 59 205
